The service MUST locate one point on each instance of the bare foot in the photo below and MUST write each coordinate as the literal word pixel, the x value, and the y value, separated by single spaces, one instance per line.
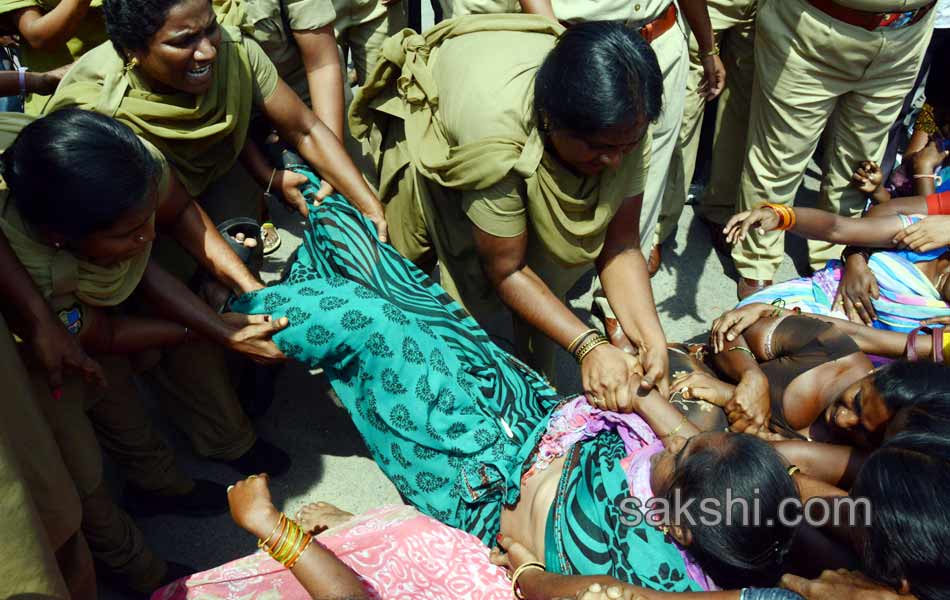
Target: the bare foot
pixel 320 516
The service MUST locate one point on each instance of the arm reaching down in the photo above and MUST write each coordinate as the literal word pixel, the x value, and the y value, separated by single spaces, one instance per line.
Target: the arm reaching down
pixel 318 145
pixel 814 224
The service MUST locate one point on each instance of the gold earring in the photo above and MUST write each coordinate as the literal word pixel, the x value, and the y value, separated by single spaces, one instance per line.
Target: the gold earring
pixel 131 64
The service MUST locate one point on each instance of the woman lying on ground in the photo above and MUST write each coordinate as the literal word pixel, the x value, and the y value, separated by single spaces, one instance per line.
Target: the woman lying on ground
pixel 914 286
pixel 471 436
pixel 902 545
pixel 859 287
pixel 810 379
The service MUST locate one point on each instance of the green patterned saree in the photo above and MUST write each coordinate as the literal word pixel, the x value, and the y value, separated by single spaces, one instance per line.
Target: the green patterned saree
pixel 452 419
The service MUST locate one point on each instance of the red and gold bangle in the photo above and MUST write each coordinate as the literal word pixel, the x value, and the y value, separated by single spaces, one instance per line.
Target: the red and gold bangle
pixel 786 216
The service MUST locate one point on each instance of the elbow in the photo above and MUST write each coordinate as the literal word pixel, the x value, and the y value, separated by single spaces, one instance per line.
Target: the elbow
pixel 499 275
pixel 41 40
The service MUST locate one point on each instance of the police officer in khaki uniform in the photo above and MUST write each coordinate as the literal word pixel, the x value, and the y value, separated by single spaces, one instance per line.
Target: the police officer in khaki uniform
pixel 666 27
pixel 842 67
pixel 733 23
pixel 42 550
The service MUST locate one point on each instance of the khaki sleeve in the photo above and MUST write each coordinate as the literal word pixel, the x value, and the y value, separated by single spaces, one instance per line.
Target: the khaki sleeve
pixel 307 15
pixel 263 70
pixel 498 210
pixel 636 165
pixel 9 6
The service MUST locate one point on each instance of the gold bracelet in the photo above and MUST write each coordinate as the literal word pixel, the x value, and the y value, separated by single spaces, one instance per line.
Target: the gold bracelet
pixel 583 347
pixel 287 550
pixel 713 52
pixel 573 345
pixel 307 540
pixel 270 181
pixel 279 539
pixel 741 349
pixel 263 542
pixel 515 591
pixel 675 429
pixel 793 469
pixel 587 349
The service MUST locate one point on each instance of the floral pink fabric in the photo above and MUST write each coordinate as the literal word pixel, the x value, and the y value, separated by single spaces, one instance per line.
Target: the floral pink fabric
pixel 397 552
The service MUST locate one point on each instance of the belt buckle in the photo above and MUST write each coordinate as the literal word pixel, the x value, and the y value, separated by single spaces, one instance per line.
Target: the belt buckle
pixel 895 20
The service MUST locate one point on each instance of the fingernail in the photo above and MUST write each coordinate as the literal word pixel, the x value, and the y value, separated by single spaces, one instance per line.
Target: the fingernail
pixel 499 538
pixel 57 394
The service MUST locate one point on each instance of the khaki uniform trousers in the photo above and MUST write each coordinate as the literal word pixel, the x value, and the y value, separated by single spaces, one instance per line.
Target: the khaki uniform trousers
pixel 81 420
pixel 198 391
pixel 817 74
pixel 364 41
pixel 733 23
pixel 659 210
pixel 42 550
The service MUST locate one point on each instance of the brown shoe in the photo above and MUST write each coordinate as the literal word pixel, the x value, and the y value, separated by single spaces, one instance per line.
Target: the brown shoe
pixel 655 260
pixel 716 235
pixel 747 287
pixel 618 336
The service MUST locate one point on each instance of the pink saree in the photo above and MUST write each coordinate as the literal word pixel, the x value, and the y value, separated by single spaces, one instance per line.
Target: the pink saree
pixel 396 551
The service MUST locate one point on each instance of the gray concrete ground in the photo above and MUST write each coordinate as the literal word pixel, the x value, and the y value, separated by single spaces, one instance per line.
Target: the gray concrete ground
pixel 330 461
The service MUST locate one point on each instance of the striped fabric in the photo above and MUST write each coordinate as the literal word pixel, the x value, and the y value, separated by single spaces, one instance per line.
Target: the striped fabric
pixel 907 295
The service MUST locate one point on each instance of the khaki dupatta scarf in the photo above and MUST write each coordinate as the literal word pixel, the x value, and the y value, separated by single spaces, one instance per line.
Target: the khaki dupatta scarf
pixel 231 13
pixel 200 136
pixel 571 224
pixel 58 272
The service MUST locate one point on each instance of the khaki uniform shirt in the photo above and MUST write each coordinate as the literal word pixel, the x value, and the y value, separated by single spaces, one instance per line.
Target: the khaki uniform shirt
pixel 276 37
pixel 635 13
pixel 502 103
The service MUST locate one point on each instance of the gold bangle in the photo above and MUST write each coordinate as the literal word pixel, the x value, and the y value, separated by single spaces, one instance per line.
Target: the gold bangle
pixel 583 347
pixel 288 548
pixel 742 349
pixel 281 540
pixel 280 521
pixel 573 345
pixel 792 470
pixel 713 52
pixel 589 347
pixel 307 540
pixel 675 429
pixel 515 591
